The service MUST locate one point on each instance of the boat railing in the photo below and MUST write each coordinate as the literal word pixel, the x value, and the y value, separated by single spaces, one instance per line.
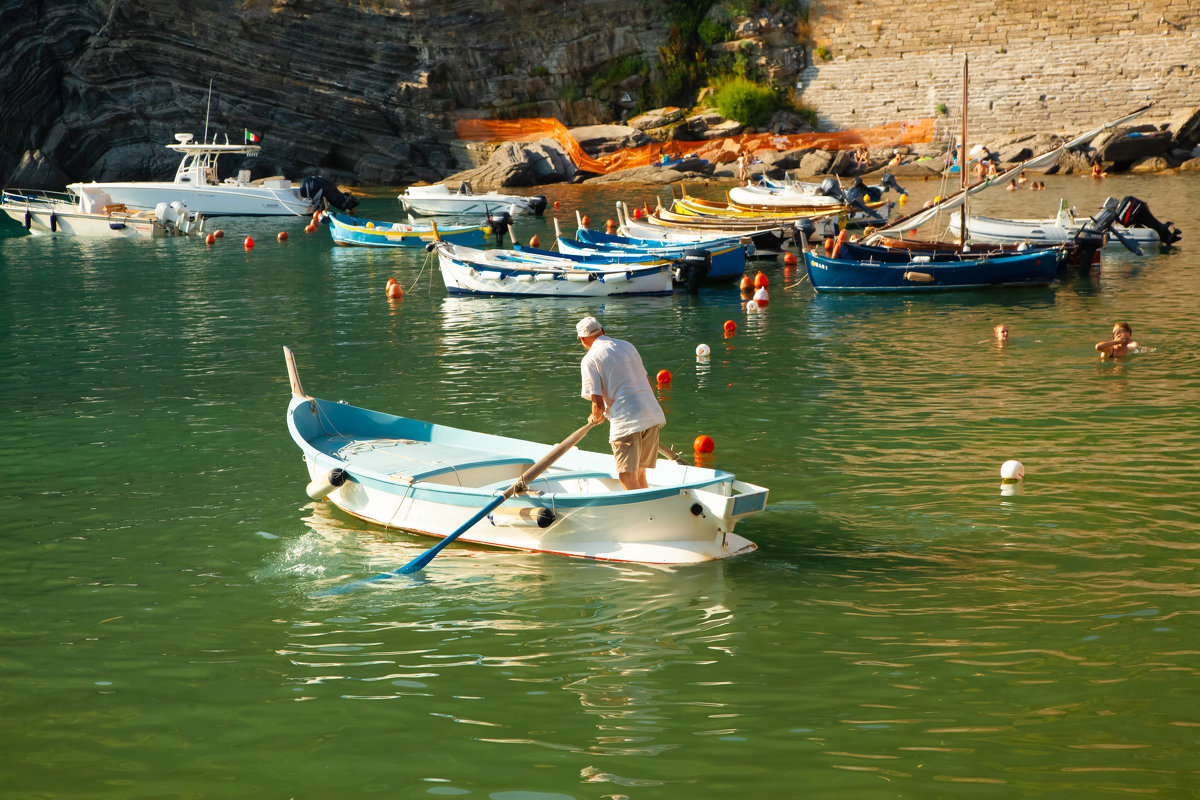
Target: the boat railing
pixel 37 197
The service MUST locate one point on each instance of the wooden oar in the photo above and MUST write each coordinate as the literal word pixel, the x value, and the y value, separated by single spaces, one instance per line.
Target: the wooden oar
pixel 418 563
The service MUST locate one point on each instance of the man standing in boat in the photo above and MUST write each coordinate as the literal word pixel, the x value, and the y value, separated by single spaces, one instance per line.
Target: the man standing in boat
pixel 616 382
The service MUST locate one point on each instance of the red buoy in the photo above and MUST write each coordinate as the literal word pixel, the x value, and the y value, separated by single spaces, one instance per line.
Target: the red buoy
pixel 730 326
pixel 556 204
pixel 703 444
pixel 282 236
pixel 760 280
pixel 586 220
pixel 249 243
pixel 664 376
pixel 637 213
pixel 210 239
pixel 393 289
pixel 789 259
pixel 310 228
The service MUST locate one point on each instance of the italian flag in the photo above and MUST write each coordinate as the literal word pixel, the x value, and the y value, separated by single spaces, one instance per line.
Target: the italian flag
pixel 252 138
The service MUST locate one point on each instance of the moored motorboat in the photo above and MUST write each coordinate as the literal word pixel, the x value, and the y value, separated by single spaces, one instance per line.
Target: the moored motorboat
pixel 430 479
pixel 438 199
pixel 196 183
pixel 1131 222
pixel 90 212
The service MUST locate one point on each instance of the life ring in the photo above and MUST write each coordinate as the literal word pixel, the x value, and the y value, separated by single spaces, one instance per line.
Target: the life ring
pixel 837 244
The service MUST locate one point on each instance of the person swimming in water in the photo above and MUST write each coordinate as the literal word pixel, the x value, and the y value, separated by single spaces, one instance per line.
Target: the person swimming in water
pixel 1119 345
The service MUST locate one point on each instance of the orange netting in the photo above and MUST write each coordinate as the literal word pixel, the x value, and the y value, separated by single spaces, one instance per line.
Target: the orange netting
pixel 714 150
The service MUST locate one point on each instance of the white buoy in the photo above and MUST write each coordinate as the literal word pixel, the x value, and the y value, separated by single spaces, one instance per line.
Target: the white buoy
pixel 1012 471
pixel 751 305
pixel 703 351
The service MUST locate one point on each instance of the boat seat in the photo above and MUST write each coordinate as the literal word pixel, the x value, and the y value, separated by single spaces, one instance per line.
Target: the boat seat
pixel 540 483
pixel 411 460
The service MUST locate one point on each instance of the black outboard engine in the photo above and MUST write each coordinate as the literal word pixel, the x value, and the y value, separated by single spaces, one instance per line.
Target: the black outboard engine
pixel 802 231
pixel 1132 211
pixel 692 268
pixel 537 204
pixel 857 197
pixel 830 188
pixel 499 222
pixel 323 193
pixel 888 181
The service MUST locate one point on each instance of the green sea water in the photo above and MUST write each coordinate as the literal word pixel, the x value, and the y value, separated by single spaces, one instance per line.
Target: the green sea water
pixel 905 629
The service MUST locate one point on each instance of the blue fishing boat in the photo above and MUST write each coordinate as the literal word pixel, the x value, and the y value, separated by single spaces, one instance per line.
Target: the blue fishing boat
pixel 724 261
pixel 440 481
pixel 924 273
pixel 354 231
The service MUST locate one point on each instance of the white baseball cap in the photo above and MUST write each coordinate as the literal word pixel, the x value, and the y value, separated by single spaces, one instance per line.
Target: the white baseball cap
pixel 588 326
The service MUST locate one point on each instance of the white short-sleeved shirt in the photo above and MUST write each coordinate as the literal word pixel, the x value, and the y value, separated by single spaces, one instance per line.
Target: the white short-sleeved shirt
pixel 613 369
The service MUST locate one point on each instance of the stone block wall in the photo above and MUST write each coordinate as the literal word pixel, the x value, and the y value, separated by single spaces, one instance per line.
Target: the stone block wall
pixel 1034 66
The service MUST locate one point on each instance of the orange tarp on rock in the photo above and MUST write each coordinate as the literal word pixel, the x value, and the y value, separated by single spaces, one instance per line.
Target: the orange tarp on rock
pixel 715 150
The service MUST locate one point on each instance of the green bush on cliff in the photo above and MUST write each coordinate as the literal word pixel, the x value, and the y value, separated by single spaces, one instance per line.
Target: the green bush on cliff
pixel 744 100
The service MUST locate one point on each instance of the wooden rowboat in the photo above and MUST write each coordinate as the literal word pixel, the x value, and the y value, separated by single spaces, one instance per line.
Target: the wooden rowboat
pixel 353 231
pixel 427 478
pixel 467 270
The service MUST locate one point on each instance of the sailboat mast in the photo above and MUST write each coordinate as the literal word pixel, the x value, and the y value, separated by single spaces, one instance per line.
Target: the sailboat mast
pixel 963 161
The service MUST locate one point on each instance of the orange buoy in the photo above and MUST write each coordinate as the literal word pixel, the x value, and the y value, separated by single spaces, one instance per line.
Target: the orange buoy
pixel 637 213
pixel 747 284
pixel 828 245
pixel 310 228
pixel 249 243
pixel 760 280
pixel 610 225
pixel 586 221
pixel 556 204
pixel 219 232
pixel 789 259
pixel 534 241
pixel 282 236
pixel 730 326
pixel 393 289
pixel 703 444
pixel 210 239
pixel 664 376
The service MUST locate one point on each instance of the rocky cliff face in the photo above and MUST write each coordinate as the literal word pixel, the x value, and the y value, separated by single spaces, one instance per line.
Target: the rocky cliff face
pixel 365 90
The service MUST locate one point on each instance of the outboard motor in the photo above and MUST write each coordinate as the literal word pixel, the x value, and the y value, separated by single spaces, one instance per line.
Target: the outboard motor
pixel 857 197
pixel 692 268
pixel 1132 211
pixel 830 188
pixel 888 181
pixel 537 204
pixel 802 231
pixel 324 193
pixel 499 222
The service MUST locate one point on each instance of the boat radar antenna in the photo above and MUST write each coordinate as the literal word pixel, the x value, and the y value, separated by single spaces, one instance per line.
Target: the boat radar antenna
pixel 207 109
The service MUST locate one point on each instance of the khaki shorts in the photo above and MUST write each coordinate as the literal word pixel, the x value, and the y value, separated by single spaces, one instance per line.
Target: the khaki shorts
pixel 637 450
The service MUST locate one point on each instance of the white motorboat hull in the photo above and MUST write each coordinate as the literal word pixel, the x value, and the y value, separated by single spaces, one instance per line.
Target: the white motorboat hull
pixel 70 223
pixel 216 200
pixel 1052 231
